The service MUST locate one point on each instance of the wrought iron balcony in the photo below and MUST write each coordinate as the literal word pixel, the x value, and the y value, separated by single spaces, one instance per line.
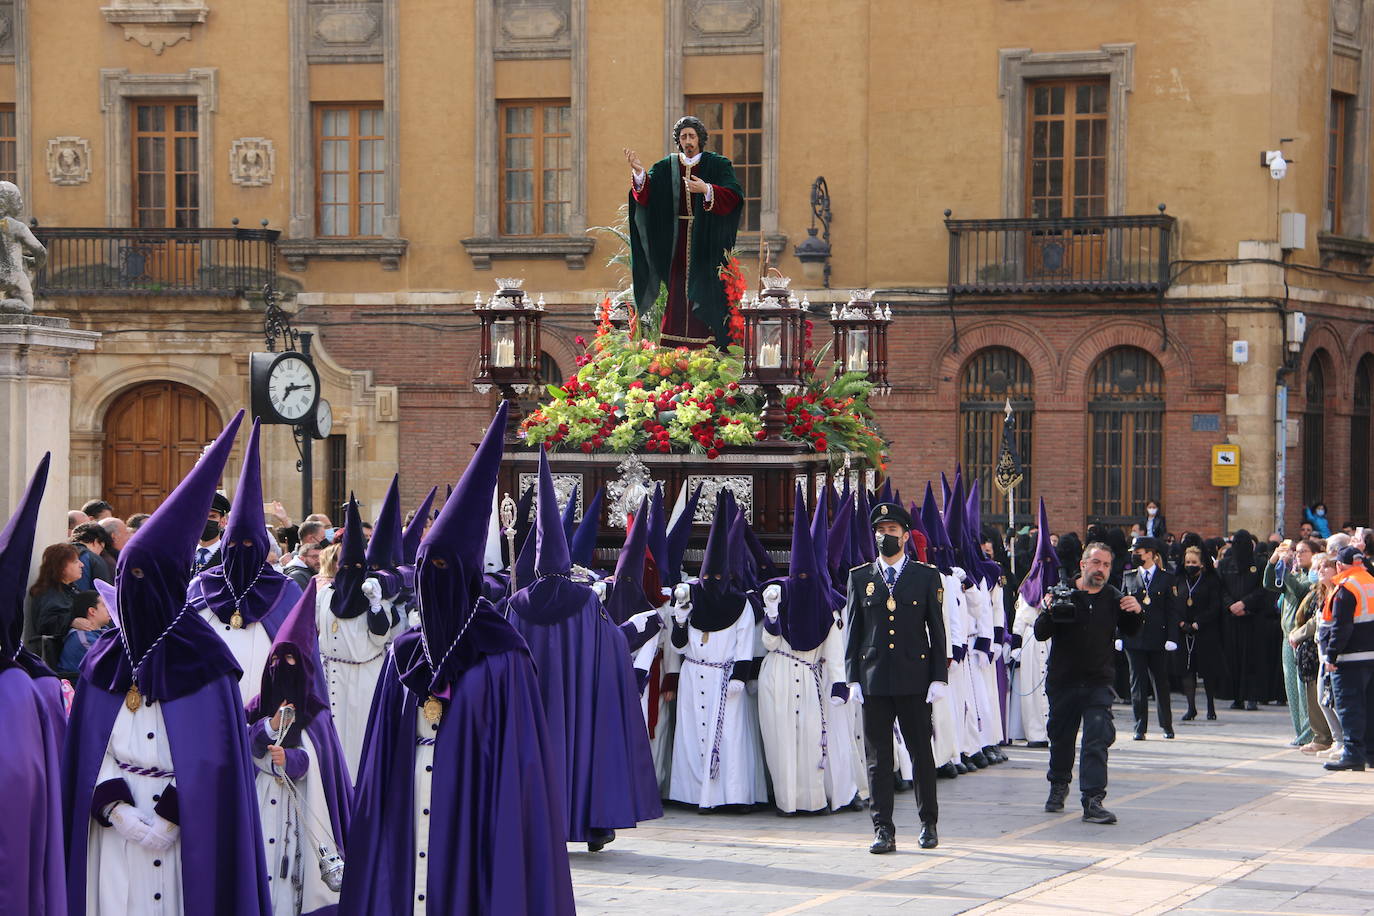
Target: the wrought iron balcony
pixel 1124 254
pixel 89 261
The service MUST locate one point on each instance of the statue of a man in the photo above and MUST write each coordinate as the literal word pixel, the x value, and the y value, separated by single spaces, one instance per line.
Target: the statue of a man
pixel 684 214
pixel 19 249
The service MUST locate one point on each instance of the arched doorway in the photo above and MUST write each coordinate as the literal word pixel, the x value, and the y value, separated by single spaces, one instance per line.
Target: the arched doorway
pixel 154 433
pixel 1314 430
pixel 1126 435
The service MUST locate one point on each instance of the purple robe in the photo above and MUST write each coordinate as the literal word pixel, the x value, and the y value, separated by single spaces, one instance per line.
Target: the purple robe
pixel 498 846
pixel 221 840
pixel 30 770
pixel 591 701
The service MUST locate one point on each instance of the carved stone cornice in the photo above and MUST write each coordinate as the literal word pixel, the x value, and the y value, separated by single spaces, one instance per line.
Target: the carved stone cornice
pixel 156 24
pixel 299 251
pixel 572 249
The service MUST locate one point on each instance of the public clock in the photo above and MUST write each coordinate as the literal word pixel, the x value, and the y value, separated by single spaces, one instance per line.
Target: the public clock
pixel 285 388
pixel 324 420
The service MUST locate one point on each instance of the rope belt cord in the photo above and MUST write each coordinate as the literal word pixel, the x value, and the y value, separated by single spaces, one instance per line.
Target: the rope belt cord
pixel 815 668
pixel 424 742
pixel 724 668
pixel 349 661
pixel 153 772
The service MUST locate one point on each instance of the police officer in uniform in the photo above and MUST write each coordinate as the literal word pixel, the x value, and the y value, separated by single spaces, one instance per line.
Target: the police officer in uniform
pixel 1148 649
pixel 896 666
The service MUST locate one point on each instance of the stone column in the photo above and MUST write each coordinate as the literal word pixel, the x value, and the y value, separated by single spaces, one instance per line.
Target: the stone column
pixel 35 414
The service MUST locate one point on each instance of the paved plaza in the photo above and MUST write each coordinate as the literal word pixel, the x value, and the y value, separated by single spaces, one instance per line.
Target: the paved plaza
pixel 1223 820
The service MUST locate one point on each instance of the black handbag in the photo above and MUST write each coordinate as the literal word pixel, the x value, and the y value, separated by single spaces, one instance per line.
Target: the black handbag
pixel 1309 663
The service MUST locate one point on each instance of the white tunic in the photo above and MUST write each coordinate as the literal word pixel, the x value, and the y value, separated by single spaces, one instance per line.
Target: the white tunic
pixel 122 877
pixel 288 834
pixel 425 731
pixel 669 662
pixel 794 712
pixel 945 724
pixel 250 646
pixel 1029 694
pixel 984 673
pixel 961 682
pixel 353 658
pixel 740 779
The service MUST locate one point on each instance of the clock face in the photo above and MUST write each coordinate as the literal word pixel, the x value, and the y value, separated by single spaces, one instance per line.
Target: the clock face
pixel 291 388
pixel 324 419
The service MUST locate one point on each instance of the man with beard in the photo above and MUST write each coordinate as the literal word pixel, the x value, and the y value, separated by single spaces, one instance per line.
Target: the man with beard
pixel 1079 680
pixel 1248 607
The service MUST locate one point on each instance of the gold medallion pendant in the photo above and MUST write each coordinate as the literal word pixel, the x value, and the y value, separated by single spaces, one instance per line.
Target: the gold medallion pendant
pixel 133 699
pixel 236 621
pixel 335 628
pixel 433 709
pixel 891 603
pixel 1147 600
pixel 1190 602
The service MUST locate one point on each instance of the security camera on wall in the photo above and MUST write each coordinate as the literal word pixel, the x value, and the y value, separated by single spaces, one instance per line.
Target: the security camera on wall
pixel 1278 166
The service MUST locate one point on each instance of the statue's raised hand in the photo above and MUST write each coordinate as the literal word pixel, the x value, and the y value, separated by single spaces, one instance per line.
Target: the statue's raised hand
pixel 636 164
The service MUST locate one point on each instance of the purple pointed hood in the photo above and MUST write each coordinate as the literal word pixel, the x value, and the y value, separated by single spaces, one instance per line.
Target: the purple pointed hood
pixel 743 565
pixel 244 583
pixel 864 547
pixel 807 614
pixel 989 570
pixel 410 538
pixel 348 599
pixel 384 551
pixel 678 536
pixel 627 597
pixel 946 493
pixel 885 491
pixel 524 527
pixel 820 541
pixel 841 531
pixel 1044 570
pixel 718 598
pixel 941 551
pixel 569 513
pixel 657 533
pixel 154 567
pixel 300 683
pixel 582 546
pixel 551 555
pixel 448 573
pixel 955 525
pixel 16 555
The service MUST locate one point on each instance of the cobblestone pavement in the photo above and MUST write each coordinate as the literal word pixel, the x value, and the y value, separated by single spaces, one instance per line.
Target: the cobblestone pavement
pixel 1226 819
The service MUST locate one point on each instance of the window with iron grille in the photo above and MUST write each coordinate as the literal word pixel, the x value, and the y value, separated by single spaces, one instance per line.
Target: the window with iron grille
pixel 1314 430
pixel 536 167
pixel 350 170
pixel 336 474
pixel 1360 443
pixel 991 378
pixel 734 127
pixel 1066 152
pixel 1126 435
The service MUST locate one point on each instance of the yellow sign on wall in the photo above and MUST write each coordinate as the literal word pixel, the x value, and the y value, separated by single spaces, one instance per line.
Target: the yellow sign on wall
pixel 1226 465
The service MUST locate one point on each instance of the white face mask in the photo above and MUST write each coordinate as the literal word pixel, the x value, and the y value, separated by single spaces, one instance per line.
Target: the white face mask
pixel 1151 511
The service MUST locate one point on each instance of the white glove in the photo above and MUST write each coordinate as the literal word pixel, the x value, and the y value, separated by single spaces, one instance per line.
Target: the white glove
pixel 856 694
pixel 163 834
pixel 936 692
pixel 836 701
pixel 1016 655
pixel 1170 646
pixel 1118 645
pixel 772 596
pixel 600 588
pixel 680 614
pixel 641 620
pixel 1006 652
pixel 735 688
pixel 413 618
pixel 682 594
pixel 372 591
pixel 130 823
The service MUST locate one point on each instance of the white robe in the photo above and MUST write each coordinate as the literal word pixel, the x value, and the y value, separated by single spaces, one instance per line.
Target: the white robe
pixel 1029 693
pixel 353 657
pixel 945 723
pixel 741 779
pixel 425 730
pixel 121 877
pixel 287 831
pixel 982 669
pixel 794 712
pixel 250 646
pixel 669 662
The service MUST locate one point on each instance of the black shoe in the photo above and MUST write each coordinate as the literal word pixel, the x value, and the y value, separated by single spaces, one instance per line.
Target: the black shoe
pixel 929 838
pixel 901 785
pixel 600 839
pixel 962 768
pixel 979 760
pixel 1094 813
pixel 1168 734
pixel 884 840
pixel 1211 715
pixel 1237 705
pixel 1190 715
pixel 1058 792
pixel 992 755
pixel 1139 735
pixel 948 771
pixel 1037 744
pixel 1251 706
pixel 1344 764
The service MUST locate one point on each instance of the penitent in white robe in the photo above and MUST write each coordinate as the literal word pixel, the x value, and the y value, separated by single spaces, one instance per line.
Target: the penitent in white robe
pixel 961 680
pixel 250 646
pixel 982 669
pixel 1028 692
pixel 289 832
pixel 945 723
pixel 353 657
pixel 657 651
pixel 740 779
pixel 122 877
pixel 794 714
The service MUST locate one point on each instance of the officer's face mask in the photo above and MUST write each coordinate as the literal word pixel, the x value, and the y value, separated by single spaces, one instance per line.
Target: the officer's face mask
pixel 211 531
pixel 889 545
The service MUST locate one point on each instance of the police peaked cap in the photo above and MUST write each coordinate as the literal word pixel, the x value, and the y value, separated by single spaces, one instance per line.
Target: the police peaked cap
pixel 889 512
pixel 1148 543
pixel 220 503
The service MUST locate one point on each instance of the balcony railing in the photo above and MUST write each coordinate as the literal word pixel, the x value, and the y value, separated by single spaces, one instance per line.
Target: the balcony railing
pixel 1127 254
pixel 155 262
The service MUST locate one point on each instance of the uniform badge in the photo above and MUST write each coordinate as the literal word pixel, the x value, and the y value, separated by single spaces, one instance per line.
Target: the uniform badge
pixel 868 592
pixel 882 510
pixel 940 595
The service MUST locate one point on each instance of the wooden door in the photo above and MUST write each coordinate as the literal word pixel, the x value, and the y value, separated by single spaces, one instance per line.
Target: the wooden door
pixel 153 435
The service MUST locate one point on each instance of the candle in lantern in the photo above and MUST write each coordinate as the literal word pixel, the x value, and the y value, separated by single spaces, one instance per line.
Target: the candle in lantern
pixel 856 356
pixel 770 343
pixel 503 344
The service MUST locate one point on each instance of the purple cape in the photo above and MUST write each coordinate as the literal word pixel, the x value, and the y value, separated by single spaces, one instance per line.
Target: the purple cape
pixel 221 840
pixel 499 846
pixel 30 769
pixel 268 602
pixel 591 701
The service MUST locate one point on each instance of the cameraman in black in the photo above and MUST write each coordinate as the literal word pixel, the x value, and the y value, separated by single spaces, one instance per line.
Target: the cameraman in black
pixel 1084 620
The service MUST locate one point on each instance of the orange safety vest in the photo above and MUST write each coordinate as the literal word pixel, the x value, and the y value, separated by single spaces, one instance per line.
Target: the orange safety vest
pixel 1359 583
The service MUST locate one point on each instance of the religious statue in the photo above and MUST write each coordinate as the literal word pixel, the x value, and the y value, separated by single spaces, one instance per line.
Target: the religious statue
pixel 684 214
pixel 19 251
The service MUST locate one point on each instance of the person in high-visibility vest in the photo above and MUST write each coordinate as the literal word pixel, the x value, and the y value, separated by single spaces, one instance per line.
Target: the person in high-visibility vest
pixel 1346 638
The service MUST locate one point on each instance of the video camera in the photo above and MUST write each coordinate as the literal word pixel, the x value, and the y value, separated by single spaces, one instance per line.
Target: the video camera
pixel 1062 607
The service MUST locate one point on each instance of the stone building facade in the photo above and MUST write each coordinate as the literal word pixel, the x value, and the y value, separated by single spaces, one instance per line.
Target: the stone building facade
pixel 410 153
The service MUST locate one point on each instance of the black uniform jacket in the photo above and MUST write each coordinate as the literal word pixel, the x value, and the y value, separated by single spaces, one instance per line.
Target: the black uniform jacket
pixel 895 649
pixel 1162 611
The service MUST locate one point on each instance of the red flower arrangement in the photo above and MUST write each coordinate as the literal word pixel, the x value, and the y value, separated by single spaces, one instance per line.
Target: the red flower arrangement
pixel 732 276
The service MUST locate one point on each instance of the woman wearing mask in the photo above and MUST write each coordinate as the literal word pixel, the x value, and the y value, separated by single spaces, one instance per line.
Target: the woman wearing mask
pixel 1200 599
pixel 1154 525
pixel 1326 728
pixel 1315 515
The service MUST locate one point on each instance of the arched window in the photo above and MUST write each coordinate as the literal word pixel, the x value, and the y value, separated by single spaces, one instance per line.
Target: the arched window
pixel 1314 430
pixel 549 373
pixel 1360 443
pixel 990 378
pixel 1126 441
